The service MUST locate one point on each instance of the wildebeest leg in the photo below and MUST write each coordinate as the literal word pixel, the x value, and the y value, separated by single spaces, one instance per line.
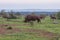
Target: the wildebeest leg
pixel 31 23
pixel 38 20
pixel 25 20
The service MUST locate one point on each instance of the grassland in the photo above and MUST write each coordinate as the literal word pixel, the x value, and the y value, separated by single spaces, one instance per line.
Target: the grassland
pixel 47 25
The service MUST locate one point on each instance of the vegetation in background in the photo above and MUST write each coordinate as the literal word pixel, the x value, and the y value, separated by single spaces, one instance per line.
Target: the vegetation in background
pixel 58 15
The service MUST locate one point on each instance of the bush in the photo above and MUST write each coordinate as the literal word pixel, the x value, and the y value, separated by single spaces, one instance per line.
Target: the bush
pixel 9 28
pixel 58 15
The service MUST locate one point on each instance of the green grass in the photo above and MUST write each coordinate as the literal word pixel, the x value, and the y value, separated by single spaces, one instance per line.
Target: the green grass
pixel 46 24
pixel 22 36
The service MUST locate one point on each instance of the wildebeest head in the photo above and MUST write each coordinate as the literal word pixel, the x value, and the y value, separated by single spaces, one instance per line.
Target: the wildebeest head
pixel 42 16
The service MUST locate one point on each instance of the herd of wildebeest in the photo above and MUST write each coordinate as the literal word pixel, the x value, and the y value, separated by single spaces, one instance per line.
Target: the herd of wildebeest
pixel 29 17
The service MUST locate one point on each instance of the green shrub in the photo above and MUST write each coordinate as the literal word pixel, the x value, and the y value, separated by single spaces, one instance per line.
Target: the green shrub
pixel 58 15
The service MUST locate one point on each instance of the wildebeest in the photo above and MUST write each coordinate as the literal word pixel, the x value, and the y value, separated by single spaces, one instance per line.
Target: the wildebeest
pixel 30 18
pixel 54 19
pixel 52 16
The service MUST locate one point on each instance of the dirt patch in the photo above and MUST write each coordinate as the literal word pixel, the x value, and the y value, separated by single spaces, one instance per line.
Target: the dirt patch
pixel 37 32
pixel 3 25
pixel 9 31
pixel 42 33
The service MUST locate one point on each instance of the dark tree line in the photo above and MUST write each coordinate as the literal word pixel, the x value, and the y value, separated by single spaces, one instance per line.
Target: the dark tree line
pixel 10 15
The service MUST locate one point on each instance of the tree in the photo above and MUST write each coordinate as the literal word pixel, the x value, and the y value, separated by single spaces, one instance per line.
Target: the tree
pixel 18 13
pixel 12 15
pixel 2 12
